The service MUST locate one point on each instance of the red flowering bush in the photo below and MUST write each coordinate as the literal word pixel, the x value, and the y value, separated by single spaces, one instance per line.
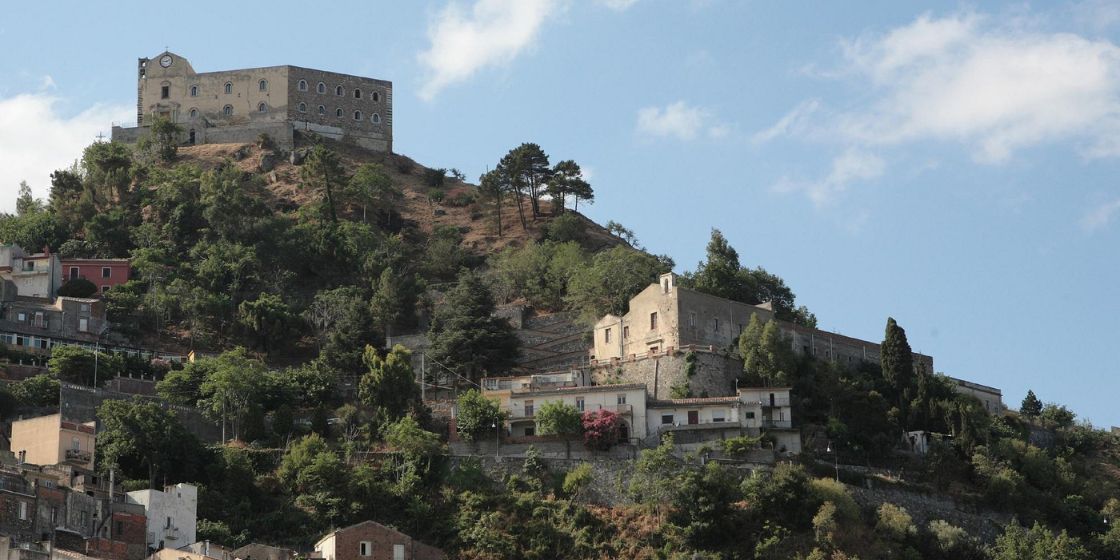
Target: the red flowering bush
pixel 601 429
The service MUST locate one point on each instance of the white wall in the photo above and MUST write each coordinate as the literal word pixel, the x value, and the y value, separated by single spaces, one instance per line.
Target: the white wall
pixel 180 504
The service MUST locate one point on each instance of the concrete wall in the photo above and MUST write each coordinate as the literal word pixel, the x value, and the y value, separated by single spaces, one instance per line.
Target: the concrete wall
pixel 46 441
pixel 179 504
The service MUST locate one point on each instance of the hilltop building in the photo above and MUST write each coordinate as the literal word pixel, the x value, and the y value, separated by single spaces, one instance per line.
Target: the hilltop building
pixel 237 106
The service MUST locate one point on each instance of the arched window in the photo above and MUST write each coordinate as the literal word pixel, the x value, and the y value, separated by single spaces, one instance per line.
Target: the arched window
pixel 227 110
pixel 376 97
pixel 194 113
pixel 194 91
pixel 357 94
pixel 229 87
pixel 321 88
pixel 357 115
pixel 262 85
pixel 322 110
pixel 338 112
pixel 262 108
pixel 302 85
pixel 375 118
pixel 302 107
pixel 338 90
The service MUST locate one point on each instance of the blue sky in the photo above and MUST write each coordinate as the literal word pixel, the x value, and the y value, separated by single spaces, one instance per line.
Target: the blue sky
pixel 953 166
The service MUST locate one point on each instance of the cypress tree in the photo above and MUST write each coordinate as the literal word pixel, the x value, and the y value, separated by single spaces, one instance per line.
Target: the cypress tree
pixel 897 361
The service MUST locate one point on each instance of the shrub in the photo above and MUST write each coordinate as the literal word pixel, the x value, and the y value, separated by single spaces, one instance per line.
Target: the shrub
pixel 601 429
pixel 78 287
pixel 577 480
pixel 558 418
pixel 567 227
pixel 436 195
pixel 435 178
pixel 476 415
pixel 739 446
pixel 895 522
pixel 828 490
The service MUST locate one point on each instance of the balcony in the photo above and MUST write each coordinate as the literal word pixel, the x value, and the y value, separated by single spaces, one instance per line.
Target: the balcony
pixel 777 424
pixel 520 413
pixel 79 456
pixel 619 408
pixel 767 403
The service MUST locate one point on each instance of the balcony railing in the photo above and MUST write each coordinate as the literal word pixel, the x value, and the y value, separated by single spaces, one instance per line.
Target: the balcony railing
pixel 783 401
pixel 78 456
pixel 781 424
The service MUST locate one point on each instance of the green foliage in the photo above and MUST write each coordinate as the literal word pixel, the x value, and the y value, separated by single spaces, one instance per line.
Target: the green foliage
pixel 407 437
pixel 268 320
pixel 477 415
pixel 389 387
pixel 825 524
pixel 895 523
pixel 897 361
pixel 739 446
pixel 435 178
pixel 40 390
pixel 371 189
pixel 567 180
pixel 577 480
pixel 614 276
pixel 165 134
pixel 78 287
pixel 1057 416
pixel 234 383
pixel 558 418
pixel 767 357
pixel 1031 407
pixel 144 441
pixel 344 325
pixel 78 365
pixel 219 532
pixel 565 228
pixel 538 272
pixel 1018 543
pixel 323 172
pixel 465 336
pixel 654 472
pixel 784 495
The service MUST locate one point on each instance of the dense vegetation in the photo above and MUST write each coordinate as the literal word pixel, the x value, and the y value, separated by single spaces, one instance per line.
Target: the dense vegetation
pixel 292 304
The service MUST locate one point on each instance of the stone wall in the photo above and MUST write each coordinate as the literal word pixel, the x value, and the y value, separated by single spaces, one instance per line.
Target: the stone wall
pixel 714 375
pixel 924 508
pixel 80 404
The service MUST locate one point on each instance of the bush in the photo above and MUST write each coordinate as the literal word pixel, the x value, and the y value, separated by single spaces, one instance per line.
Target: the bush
pixel 577 479
pixel 895 522
pixel 435 178
pixel 567 227
pixel 739 446
pixel 601 429
pixel 558 418
pixel 436 195
pixel 477 415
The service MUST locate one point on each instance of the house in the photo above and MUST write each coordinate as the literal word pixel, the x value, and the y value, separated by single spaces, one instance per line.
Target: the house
pixel 521 397
pixel 104 273
pixel 369 540
pixel 256 551
pixel 752 412
pixel 37 275
pixel 207 549
pixel 51 439
pixel 991 397
pixel 172 515
pixel 667 316
pixel 36 325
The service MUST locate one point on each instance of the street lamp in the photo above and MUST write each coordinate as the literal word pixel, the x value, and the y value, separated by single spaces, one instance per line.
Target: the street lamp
pixel 835 459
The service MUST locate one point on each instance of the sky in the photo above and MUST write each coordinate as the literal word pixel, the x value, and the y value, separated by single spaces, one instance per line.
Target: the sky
pixel 951 165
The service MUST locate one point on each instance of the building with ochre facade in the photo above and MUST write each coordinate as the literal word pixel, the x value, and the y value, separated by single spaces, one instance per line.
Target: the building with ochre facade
pixel 237 106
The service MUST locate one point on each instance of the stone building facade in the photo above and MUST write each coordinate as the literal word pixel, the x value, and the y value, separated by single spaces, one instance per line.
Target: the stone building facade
pixel 240 105
pixel 369 540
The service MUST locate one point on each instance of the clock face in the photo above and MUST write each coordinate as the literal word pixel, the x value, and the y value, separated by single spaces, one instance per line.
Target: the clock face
pixel 166 61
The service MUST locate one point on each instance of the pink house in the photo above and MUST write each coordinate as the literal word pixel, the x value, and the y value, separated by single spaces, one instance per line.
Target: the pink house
pixel 104 273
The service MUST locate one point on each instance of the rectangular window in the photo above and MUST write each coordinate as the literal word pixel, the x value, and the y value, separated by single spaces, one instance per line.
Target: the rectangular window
pixel 529 408
pixel 39 319
pixel 750 415
pixel 75 443
pixel 530 430
pixel 73 273
pixel 625 332
pixel 715 325
pixel 23 511
pixel 43 343
pixel 168 521
pixel 83 324
pixel 120 529
pixel 692 318
pixel 666 419
pixel 21 316
pixel 398 552
pixel 653 321
pixel 622 399
pixel 28 266
pixel 20 341
pixel 607 335
pixel 579 404
pixel 106 272
pixel 365 548
pixel 718 416
pixel 104 288
pixel 165 92
pixel 84 308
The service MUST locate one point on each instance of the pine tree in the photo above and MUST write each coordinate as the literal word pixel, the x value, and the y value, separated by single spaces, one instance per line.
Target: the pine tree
pixel 466 337
pixel 1031 406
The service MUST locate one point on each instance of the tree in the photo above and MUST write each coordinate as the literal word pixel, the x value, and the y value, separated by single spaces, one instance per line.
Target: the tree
pixel 26 203
pixel 825 524
pixel 78 365
pixel 407 437
pixel 719 275
pixel 622 232
pixel 577 480
pixel 234 384
pixel 465 337
pixel 1057 415
pixel 567 180
pixel 558 418
pixel 268 319
pixel 766 353
pixel 165 134
pixel 897 362
pixel 601 429
pixel 371 188
pixel 535 172
pixel 389 387
pixel 144 441
pixel 78 287
pixel 476 415
pixel 655 472
pixel 40 390
pixel 1018 543
pixel 1031 407
pixel 615 276
pixel 323 172
pixel 493 186
pixel 342 319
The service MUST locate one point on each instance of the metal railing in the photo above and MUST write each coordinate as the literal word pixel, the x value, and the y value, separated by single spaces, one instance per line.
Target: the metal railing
pixel 79 455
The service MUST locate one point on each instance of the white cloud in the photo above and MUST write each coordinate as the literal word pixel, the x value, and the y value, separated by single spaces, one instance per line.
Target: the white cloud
pixel 995 88
pixel 489 33
pixel 36 139
pixel 849 167
pixel 679 120
pixel 1100 216
pixel 618 5
pixel 791 124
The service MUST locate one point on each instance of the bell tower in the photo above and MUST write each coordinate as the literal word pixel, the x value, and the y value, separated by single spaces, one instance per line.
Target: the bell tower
pixel 141 71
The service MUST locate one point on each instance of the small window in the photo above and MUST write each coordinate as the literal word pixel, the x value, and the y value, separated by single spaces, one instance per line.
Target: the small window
pixel 302 107
pixel 168 521
pixel 321 88
pixel 653 321
pixel 365 548
pixel 262 85
pixel 692 318
pixel 75 443
pixel 229 87
pixel 750 415
pixel 579 404
pixel 338 91
pixel 23 511
pixel 666 419
pixel 530 430
pixel 715 325
pixel 529 409
pixel 398 552
pixel 376 97
pixel 625 332
pixel 106 272
pixel 73 273
pixel 164 92
pixel 104 288
pixel 21 316
pixel 83 324
pixel 194 113
pixel 227 110
pixel 357 115
pixel 621 399
pixel 375 119
pixel 262 108
pixel 302 85
pixel 191 137
pixel 357 94
pixel 322 110
pixel 194 91
pixel 338 112
pixel 39 319
pixel 607 336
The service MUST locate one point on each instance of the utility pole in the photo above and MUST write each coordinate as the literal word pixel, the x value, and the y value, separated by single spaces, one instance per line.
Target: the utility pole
pixel 423 376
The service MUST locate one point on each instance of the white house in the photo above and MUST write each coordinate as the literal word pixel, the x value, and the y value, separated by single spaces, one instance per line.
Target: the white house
pixel 172 515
